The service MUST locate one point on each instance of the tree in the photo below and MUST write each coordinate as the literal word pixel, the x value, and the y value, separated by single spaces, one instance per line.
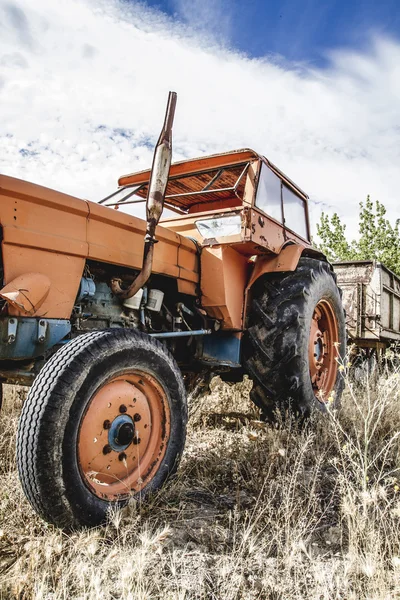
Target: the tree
pixel 379 239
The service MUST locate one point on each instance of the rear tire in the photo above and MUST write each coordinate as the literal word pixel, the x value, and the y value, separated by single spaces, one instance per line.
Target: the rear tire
pixel 104 421
pixel 295 341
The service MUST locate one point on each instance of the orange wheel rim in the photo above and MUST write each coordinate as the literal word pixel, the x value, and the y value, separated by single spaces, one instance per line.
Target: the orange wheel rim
pixel 123 435
pixel 323 350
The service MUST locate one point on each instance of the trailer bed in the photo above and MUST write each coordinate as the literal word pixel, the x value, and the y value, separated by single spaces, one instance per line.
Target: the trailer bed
pixel 371 298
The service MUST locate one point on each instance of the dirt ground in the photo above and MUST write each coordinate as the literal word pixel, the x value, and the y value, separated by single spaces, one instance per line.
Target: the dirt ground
pixel 255 512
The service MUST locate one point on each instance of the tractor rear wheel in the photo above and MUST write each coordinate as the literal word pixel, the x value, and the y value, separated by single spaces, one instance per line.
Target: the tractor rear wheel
pixel 296 340
pixel 104 421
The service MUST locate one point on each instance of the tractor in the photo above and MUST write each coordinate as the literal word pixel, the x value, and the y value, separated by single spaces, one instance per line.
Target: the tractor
pixel 110 318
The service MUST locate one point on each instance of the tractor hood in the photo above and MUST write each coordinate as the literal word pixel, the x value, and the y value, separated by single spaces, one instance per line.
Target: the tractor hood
pixel 51 233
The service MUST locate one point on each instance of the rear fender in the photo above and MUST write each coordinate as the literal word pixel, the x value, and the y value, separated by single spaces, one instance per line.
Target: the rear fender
pixel 286 261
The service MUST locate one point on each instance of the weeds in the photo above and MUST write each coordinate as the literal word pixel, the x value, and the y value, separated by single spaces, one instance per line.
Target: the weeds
pixel 255 511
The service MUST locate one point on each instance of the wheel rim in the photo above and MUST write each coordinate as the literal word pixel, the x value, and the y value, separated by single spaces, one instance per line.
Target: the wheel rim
pixel 123 435
pixel 323 350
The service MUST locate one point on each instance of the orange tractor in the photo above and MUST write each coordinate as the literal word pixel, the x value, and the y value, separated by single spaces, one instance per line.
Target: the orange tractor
pixel 111 331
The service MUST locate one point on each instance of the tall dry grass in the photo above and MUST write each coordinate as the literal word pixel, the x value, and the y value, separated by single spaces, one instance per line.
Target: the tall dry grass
pixel 255 511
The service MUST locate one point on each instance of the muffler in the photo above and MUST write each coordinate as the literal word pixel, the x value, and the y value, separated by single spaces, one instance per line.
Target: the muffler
pixel 154 201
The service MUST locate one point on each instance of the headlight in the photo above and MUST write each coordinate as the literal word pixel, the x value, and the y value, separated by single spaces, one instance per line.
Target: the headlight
pixel 219 226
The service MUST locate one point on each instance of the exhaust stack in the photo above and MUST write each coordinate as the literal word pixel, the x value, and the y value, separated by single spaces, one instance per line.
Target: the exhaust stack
pixel 154 202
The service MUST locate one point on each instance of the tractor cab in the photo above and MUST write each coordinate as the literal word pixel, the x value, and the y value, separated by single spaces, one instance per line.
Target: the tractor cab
pixel 237 198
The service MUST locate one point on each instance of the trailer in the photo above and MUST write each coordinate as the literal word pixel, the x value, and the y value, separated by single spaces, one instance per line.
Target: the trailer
pixel 371 299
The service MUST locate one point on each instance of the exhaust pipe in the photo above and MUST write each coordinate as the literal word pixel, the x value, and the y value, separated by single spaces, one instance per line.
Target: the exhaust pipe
pixel 154 202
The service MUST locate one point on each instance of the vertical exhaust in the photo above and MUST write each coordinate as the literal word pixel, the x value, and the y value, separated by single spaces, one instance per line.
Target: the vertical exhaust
pixel 154 201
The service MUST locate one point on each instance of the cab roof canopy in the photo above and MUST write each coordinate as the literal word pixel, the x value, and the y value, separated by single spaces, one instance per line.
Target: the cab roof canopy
pixel 194 183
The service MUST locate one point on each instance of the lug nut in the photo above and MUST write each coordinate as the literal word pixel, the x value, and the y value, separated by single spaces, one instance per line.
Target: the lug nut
pixel 106 424
pixel 136 417
pixel 136 441
pixel 107 449
pixel 122 408
pixel 122 456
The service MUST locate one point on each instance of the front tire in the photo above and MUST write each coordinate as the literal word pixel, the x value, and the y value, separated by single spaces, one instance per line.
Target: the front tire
pixel 296 340
pixel 104 421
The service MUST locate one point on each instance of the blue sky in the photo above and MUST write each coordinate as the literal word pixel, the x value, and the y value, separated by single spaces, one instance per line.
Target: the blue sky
pixel 294 30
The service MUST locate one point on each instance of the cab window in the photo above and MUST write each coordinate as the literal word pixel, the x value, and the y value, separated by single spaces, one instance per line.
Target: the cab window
pixel 268 197
pixel 294 209
pixel 279 202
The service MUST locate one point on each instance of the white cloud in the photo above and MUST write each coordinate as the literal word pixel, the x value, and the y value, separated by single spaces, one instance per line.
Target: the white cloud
pixel 209 17
pixel 83 86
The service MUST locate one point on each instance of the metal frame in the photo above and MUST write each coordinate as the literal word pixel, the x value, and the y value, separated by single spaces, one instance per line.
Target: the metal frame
pixel 206 189
pixel 118 191
pixel 180 210
pixel 176 334
pixel 123 201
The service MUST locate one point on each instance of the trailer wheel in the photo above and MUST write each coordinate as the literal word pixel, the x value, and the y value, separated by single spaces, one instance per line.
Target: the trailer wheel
pixel 296 339
pixel 104 421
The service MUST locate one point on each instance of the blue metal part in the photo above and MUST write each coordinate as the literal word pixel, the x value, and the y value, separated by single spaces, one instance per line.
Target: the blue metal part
pixel 23 338
pixel 114 430
pixel 176 334
pixel 87 289
pixel 221 349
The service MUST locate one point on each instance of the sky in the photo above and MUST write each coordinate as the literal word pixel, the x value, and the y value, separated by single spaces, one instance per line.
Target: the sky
pixel 314 86
pixel 288 30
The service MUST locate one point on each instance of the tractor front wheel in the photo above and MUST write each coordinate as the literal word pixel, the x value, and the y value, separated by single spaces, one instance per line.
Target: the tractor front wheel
pixel 296 340
pixel 104 421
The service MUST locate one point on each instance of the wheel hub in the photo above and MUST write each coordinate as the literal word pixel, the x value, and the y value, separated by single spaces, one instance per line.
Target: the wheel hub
pixel 319 348
pixel 121 433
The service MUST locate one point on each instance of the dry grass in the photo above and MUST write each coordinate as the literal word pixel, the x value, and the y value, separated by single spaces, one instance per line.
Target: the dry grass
pixel 255 512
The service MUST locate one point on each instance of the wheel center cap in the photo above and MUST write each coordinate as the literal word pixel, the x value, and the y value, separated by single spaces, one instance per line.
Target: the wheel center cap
pixel 319 349
pixel 121 433
pixel 125 434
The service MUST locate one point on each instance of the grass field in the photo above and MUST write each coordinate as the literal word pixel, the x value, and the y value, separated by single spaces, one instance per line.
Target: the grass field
pixel 255 511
